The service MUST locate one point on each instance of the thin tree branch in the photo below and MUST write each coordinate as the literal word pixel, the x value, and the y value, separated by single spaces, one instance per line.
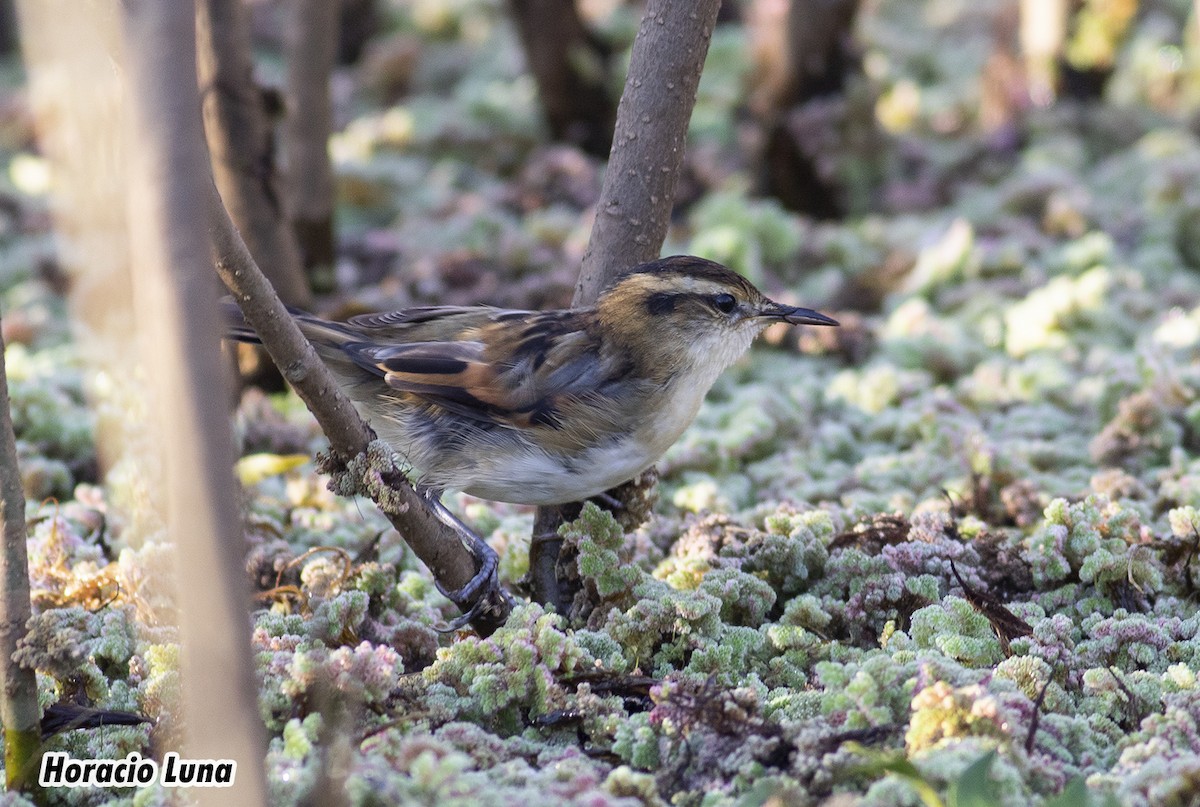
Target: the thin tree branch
pixel 242 146
pixel 648 144
pixel 311 39
pixel 375 470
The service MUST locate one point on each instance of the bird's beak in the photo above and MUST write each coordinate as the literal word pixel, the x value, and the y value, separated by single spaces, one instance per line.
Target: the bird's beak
pixel 794 316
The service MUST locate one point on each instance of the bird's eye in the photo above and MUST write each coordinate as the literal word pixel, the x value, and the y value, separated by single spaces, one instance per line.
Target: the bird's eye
pixel 725 303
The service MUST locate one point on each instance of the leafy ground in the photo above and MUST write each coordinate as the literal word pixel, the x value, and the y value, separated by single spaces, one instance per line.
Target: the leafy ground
pixel 965 524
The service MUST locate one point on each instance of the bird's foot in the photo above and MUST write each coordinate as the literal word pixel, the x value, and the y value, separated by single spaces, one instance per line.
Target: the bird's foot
pixel 472 598
pixel 481 590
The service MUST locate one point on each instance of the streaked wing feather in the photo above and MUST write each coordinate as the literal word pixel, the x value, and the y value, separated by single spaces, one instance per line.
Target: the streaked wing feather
pixel 430 322
pixel 426 358
pixel 434 371
pixel 517 373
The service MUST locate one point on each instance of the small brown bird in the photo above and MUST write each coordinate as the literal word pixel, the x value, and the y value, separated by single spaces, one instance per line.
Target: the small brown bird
pixel 548 407
pixel 544 407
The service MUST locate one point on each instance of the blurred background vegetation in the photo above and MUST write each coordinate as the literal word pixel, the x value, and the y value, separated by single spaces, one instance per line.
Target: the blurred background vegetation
pixel 1001 203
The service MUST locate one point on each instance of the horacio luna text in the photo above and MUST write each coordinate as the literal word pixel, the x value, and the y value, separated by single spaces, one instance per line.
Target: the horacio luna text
pixel 59 769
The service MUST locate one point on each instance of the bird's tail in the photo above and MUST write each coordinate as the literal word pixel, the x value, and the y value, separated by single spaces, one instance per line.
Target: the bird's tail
pixel 328 338
pixel 322 333
pixel 236 327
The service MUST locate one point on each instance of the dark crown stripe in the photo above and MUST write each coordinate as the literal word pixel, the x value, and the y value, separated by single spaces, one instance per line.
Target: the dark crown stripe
pixel 690 266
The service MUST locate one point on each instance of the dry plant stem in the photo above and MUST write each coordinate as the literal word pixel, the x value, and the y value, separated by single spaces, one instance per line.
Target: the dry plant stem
pixel 311 41
pixel 434 542
pixel 19 712
pixel 176 310
pixel 639 185
pixel 648 144
pixel 242 146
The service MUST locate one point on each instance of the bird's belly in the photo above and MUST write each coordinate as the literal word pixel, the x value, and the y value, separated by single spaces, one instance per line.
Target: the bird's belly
pixel 503 465
pixel 540 478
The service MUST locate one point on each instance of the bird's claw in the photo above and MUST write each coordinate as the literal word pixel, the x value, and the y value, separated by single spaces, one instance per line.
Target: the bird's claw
pixel 472 597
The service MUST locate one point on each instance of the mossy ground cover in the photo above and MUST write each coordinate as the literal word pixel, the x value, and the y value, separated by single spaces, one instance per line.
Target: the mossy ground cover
pixel 950 551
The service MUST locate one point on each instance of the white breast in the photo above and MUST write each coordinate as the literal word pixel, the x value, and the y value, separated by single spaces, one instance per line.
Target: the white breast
pixel 519 472
pixel 535 477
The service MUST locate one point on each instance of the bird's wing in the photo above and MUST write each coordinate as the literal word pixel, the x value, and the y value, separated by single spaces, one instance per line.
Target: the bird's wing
pixel 425 317
pixel 510 369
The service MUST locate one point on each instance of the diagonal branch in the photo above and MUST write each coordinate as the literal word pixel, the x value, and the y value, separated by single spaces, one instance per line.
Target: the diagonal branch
pixel 376 471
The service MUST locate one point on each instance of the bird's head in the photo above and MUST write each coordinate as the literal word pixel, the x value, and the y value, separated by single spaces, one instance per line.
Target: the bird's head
pixel 685 311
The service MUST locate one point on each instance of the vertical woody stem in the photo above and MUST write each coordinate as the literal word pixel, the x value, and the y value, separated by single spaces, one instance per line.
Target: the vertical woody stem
pixel 634 209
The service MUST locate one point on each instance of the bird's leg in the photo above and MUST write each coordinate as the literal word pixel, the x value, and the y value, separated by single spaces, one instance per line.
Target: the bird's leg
pixel 469 597
pixel 608 501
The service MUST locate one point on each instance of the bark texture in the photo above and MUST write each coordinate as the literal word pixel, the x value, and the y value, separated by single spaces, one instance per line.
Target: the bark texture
pixel 176 309
pixel 242 146
pixel 19 711
pixel 651 133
